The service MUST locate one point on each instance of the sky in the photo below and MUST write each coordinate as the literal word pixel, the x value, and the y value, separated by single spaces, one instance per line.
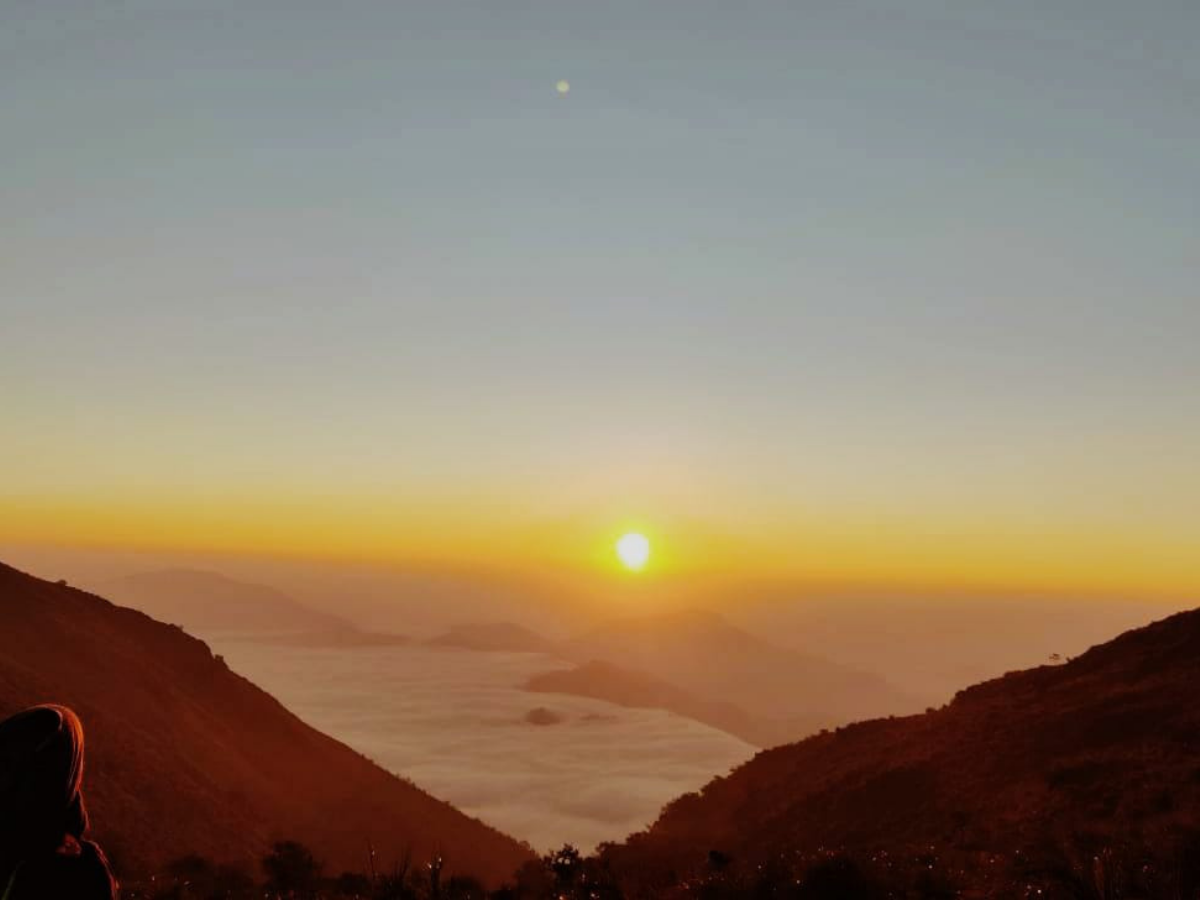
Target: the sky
pixel 879 293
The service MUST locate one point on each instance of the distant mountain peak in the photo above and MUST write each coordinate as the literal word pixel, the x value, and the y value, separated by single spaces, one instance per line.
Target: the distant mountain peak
pixel 206 602
pixel 703 653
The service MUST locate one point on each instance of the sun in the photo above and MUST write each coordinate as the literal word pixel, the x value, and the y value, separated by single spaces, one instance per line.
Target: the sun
pixel 633 550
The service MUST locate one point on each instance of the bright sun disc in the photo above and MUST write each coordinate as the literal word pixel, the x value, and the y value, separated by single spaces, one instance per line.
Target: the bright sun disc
pixel 633 550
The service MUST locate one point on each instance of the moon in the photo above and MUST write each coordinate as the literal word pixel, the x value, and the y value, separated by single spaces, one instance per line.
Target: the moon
pixel 563 87
pixel 633 550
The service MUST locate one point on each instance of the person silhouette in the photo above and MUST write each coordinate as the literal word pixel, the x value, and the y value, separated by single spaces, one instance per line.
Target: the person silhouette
pixel 43 853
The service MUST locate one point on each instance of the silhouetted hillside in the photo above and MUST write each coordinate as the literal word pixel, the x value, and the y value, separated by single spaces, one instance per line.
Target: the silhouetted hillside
pixel 186 757
pixel 703 654
pixel 1102 752
pixel 604 681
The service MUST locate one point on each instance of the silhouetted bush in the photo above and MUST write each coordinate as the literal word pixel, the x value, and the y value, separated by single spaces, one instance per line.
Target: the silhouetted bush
pixel 837 878
pixel 1085 867
pixel 196 878
pixel 292 871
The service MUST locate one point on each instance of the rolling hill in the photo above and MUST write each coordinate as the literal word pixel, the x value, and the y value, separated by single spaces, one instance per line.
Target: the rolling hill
pixel 697 664
pixel 623 687
pixel 491 637
pixel 706 656
pixel 1099 753
pixel 187 757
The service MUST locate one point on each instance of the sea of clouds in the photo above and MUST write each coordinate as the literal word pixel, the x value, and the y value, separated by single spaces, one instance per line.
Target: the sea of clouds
pixel 454 722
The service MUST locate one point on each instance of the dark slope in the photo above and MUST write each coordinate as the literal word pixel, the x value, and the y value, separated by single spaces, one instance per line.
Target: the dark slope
pixel 1104 749
pixel 187 757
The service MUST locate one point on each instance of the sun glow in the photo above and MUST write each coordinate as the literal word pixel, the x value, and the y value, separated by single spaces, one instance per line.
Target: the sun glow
pixel 633 550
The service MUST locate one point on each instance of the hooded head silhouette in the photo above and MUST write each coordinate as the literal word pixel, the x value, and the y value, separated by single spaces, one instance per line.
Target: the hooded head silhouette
pixel 42 814
pixel 41 774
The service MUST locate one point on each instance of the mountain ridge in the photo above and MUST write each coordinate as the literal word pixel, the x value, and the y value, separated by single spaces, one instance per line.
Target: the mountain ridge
pixel 186 756
pixel 1098 751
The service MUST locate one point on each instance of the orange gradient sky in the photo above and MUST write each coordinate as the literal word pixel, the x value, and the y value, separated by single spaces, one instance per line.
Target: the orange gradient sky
pixel 917 313
pixel 832 550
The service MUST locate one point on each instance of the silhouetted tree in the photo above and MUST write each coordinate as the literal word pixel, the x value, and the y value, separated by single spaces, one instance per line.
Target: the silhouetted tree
pixel 461 887
pixel 196 878
pixel 435 876
pixel 718 861
pixel 292 870
pixel 352 884
pixel 565 864
pixel 837 878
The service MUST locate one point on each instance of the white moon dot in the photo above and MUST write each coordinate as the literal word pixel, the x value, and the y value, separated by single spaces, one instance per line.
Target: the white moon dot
pixel 563 87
